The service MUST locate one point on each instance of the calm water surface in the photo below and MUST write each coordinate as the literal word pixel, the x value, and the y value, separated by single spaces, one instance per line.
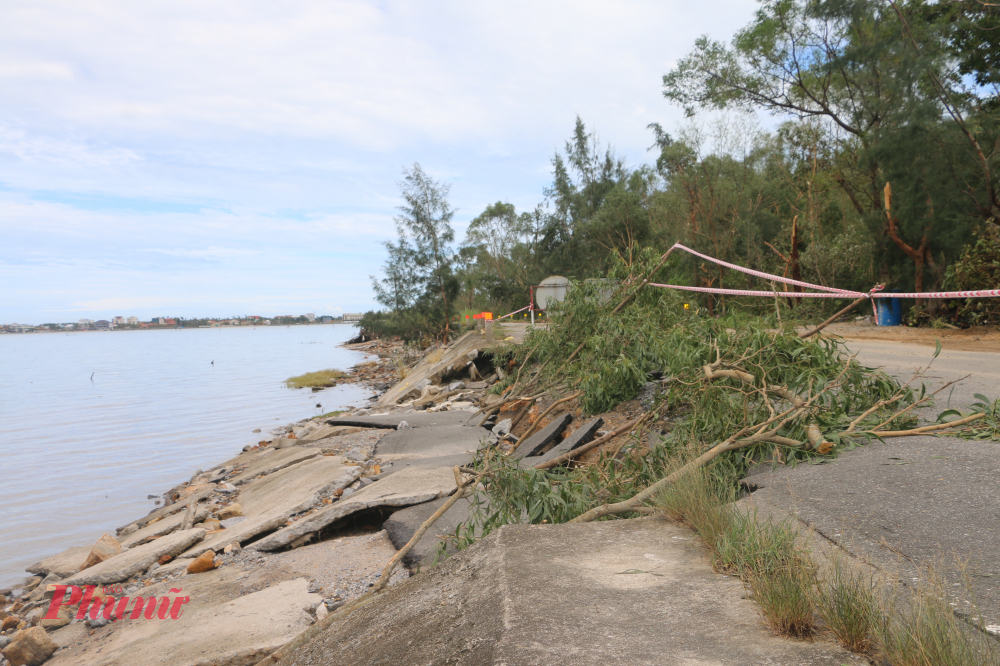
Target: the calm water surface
pixel 79 456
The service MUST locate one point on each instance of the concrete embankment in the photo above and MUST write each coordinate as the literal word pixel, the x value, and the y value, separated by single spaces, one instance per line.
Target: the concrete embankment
pixel 266 544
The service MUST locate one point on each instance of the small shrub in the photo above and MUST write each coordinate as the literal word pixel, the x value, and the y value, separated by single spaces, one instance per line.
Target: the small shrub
pixel 783 594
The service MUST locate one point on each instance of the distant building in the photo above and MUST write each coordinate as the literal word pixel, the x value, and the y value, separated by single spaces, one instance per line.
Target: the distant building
pixel 159 320
pixel 266 322
pixel 133 321
pixel 21 328
pixel 118 321
pixel 170 322
pixel 354 316
pixel 85 322
pixel 102 325
pixel 310 316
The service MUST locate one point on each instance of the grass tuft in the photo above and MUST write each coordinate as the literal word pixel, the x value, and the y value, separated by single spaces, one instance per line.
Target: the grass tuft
pixel 849 607
pixel 321 379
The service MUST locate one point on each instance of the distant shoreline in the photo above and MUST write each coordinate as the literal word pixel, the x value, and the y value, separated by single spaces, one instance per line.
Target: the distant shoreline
pixel 175 328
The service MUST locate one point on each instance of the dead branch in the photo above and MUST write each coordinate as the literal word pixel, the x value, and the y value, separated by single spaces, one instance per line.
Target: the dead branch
pixel 918 402
pixel 918 431
pixel 807 334
pixel 736 441
pixel 460 492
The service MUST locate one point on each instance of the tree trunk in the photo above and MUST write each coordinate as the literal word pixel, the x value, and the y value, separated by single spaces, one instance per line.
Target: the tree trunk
pixel 919 255
pixel 793 258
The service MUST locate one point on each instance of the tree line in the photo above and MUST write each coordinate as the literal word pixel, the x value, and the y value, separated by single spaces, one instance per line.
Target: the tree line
pixel 882 169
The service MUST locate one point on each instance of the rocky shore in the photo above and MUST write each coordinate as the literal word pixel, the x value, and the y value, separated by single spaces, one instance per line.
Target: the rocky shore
pixel 246 554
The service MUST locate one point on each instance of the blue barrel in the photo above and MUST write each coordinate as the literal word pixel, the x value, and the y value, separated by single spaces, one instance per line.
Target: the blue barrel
pixel 889 312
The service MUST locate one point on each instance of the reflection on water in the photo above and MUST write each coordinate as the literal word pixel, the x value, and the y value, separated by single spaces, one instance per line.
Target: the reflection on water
pixel 78 456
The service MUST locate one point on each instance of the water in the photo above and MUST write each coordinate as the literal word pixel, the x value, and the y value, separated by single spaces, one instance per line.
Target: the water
pixel 78 457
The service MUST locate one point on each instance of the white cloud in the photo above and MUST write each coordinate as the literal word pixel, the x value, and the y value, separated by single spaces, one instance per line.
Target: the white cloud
pixel 154 143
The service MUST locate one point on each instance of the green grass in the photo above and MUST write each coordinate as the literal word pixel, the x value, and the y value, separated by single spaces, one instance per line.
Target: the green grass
pixel 322 378
pixel 849 606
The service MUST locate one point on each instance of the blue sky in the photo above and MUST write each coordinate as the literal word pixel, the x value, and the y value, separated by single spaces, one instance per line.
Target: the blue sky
pixel 224 158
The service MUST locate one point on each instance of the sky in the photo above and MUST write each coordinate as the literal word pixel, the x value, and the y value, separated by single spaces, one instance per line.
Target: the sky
pixel 242 157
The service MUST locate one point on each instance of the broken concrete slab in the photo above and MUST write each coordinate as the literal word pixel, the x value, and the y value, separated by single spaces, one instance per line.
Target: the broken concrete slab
pixel 580 436
pixel 393 463
pixel 404 488
pixel 324 431
pixel 403 524
pixel 445 440
pixel 269 502
pixel 910 503
pixel 272 460
pixel 134 560
pixel 542 440
pixel 217 625
pixel 161 527
pixel 414 420
pixel 165 511
pixel 437 366
pixel 62 564
pixel 641 592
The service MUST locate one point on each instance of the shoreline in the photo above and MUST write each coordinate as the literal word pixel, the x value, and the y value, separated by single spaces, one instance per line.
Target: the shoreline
pixel 301 471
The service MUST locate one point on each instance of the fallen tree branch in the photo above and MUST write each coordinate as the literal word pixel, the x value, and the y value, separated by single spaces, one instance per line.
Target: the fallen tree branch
pixel 397 558
pixel 918 402
pixel 736 441
pixel 917 431
pixel 807 334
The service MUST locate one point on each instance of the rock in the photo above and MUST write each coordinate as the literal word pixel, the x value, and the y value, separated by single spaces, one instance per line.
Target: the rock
pixel 163 560
pixel 461 405
pixel 10 622
pixel 455 386
pixel 195 489
pixel 210 525
pixel 202 563
pixel 231 511
pixel 234 547
pixel 128 529
pixel 321 611
pixel 30 647
pixel 4 641
pixel 33 582
pixel 347 491
pixel 96 623
pixel 65 563
pixel 257 430
pixel 476 385
pixel 403 425
pixel 64 615
pixel 228 488
pixel 105 548
pixel 502 428
pixel 247 447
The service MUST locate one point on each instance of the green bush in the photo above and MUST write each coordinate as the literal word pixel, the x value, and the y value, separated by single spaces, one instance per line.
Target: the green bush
pixel 977 268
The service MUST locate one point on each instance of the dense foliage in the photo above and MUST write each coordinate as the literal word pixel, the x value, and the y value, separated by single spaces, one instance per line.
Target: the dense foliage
pixel 882 168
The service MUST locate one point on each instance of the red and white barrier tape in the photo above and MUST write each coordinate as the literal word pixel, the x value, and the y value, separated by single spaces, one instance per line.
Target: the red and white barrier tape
pixel 770 294
pixel 981 293
pixel 766 276
pixel 832 292
pixel 514 312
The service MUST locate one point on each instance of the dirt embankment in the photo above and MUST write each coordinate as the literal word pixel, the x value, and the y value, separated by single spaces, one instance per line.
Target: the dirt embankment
pixel 977 338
